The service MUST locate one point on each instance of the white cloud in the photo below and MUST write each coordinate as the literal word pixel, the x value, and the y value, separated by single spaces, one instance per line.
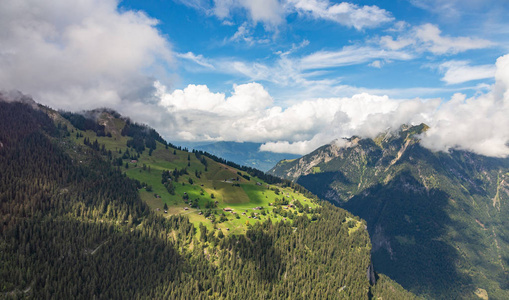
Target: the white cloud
pixel 350 55
pixel 376 64
pixel 272 13
pixel 477 124
pixel 249 114
pixel 203 115
pixel 78 54
pixel 444 7
pixel 452 10
pixel 434 42
pixel 344 13
pixel 268 12
pixel 198 59
pixel 245 34
pixel 400 43
pixel 429 37
pixel 460 71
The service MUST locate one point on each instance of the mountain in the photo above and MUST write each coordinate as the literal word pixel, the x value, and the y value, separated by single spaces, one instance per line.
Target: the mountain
pixel 246 154
pixel 94 205
pixel 438 221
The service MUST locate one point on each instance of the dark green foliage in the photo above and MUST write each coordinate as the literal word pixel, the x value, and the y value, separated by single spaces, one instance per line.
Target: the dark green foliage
pixel 387 289
pixel 271 179
pixel 142 136
pixel 82 122
pixel 76 230
pixel 252 171
pixel 438 221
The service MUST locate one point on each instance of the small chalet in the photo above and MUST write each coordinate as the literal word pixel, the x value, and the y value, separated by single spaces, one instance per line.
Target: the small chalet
pixel 227 209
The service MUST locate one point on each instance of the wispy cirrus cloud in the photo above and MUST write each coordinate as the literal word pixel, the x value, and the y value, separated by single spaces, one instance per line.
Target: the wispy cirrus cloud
pixel 428 37
pixel 272 13
pixel 344 13
pixel 456 71
pixel 198 59
pixel 350 55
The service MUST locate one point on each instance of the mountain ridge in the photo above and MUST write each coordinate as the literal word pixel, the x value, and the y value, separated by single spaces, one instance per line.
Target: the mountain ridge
pixel 447 209
pixel 76 221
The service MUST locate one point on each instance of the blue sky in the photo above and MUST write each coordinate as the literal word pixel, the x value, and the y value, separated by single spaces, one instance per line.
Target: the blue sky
pixel 461 35
pixel 290 74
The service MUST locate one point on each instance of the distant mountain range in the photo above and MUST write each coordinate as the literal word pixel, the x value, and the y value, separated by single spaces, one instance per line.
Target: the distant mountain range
pixel 246 154
pixel 439 222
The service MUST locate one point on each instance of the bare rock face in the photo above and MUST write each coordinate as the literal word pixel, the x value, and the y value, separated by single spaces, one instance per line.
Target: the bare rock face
pixel 371 274
pixel 427 212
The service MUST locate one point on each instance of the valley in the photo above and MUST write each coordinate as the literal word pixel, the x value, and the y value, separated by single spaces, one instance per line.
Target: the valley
pixel 437 220
pixel 88 213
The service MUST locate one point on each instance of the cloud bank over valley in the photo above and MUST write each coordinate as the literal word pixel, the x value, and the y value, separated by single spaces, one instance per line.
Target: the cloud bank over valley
pixel 291 95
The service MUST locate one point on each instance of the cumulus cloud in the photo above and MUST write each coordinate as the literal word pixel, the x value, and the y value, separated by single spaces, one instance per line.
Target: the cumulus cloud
pixel 477 124
pixel 85 54
pixel 249 114
pixel 79 54
pixel 203 115
pixel 361 115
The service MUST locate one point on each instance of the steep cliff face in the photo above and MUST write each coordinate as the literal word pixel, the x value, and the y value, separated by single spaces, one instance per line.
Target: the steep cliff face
pixel 438 221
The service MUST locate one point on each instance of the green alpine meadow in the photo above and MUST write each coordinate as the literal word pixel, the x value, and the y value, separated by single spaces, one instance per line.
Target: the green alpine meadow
pixel 102 207
pixel 254 149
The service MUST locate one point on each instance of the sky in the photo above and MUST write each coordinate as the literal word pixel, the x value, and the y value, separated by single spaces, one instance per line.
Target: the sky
pixel 291 74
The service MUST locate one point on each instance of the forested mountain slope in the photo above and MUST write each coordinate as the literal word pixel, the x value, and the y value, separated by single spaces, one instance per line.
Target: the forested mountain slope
pixel 77 223
pixel 438 221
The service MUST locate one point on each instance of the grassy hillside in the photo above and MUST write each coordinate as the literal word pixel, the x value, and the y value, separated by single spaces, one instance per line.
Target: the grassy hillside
pixel 80 222
pixel 205 190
